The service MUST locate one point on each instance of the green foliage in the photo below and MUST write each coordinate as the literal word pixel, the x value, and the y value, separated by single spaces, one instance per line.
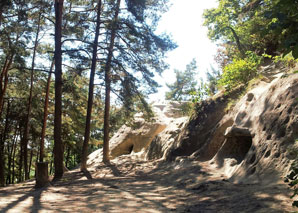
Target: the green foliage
pixel 200 93
pixel 261 26
pixel 184 86
pixel 240 71
pixel 287 60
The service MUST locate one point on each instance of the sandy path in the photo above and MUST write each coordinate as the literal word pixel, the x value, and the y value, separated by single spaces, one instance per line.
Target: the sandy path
pixel 145 187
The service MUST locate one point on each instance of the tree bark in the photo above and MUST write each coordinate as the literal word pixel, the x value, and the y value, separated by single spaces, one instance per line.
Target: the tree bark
pixel 4 79
pixel 20 159
pixel 2 164
pixel 67 157
pixel 106 151
pixel 58 146
pixel 30 161
pixel 45 115
pixel 13 161
pixel 42 176
pixel 2 141
pixel 91 91
pixel 11 157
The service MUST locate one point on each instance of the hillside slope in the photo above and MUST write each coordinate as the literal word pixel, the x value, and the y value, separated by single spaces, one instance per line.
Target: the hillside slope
pixel 218 161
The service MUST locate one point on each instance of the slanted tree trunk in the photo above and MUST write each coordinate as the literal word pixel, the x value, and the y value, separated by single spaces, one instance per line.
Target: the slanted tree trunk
pixel 106 151
pixel 45 115
pixel 91 91
pixel 58 146
pixel 239 45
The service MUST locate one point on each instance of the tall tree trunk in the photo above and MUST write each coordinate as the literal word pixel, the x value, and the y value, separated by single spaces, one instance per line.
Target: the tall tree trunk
pixel 2 141
pixel 106 151
pixel 58 146
pixel 20 160
pixel 30 161
pixel 2 163
pixel 51 167
pixel 91 91
pixel 45 115
pixel 29 109
pixel 13 159
pixel 10 157
pixel 4 79
pixel 68 160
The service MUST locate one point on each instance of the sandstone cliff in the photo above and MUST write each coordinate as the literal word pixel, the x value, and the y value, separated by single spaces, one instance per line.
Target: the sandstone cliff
pixel 250 141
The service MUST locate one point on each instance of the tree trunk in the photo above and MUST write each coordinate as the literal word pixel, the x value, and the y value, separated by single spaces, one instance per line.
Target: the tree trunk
pixel 45 115
pixel 28 117
pixel 67 157
pixel 91 90
pixel 42 176
pixel 58 146
pixel 20 160
pixel 239 45
pixel 4 80
pixel 30 161
pixel 2 175
pixel 2 141
pixel 106 151
pixel 11 157
pixel 13 160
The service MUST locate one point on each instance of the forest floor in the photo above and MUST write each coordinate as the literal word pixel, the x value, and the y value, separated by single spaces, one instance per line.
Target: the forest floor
pixel 134 186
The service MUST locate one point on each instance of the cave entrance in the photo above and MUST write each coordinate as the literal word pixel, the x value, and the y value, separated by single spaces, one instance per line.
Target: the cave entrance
pixel 235 147
pixel 130 149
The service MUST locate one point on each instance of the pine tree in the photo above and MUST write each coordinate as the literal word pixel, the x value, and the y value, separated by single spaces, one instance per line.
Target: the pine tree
pixel 184 84
pixel 91 89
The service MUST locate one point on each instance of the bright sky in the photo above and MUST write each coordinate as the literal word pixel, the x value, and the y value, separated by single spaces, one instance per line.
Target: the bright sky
pixel 185 23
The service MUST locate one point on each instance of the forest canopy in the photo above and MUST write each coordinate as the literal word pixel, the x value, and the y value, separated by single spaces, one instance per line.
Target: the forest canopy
pixel 60 61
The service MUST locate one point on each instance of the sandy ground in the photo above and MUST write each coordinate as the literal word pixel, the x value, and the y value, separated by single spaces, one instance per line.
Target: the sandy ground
pixel 135 186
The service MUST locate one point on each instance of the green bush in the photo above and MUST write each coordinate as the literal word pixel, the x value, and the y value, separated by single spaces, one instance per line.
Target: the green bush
pixel 286 60
pixel 240 71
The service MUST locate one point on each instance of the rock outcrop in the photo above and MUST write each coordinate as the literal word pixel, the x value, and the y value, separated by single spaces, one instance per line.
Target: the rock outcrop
pixel 249 142
pixel 252 141
pixel 136 138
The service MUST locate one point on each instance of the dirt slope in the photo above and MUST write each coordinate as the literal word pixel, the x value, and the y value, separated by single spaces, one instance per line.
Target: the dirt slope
pixel 135 186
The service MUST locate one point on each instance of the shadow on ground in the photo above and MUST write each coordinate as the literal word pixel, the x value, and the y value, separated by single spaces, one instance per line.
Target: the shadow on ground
pixel 162 188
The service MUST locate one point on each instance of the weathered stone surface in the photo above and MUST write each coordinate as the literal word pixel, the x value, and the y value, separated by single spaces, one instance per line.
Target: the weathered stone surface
pixel 257 133
pixel 169 120
pixel 129 140
pixel 250 141
pixel 235 131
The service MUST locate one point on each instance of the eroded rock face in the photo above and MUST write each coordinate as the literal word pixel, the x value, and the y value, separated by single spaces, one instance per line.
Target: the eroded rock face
pixel 251 142
pixel 136 139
